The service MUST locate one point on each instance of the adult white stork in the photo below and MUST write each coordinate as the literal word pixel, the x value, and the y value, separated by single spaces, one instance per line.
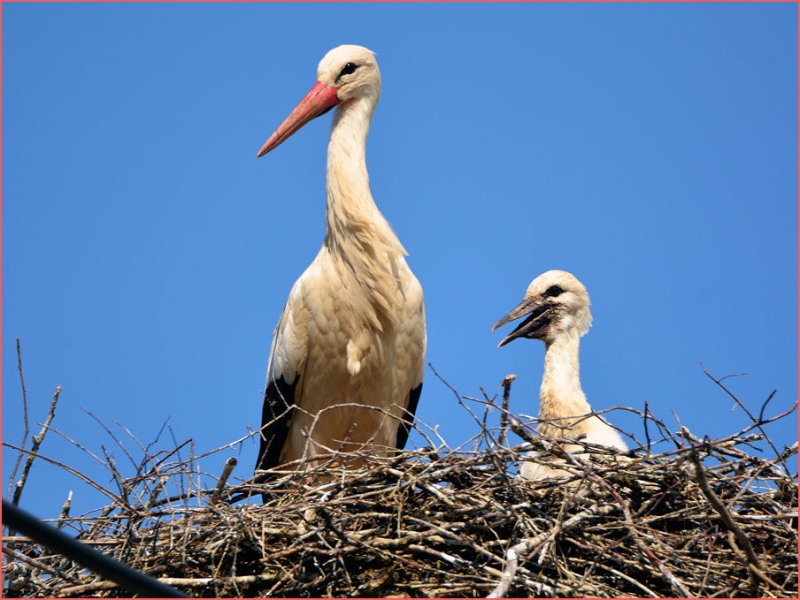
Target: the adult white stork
pixel 557 309
pixel 347 357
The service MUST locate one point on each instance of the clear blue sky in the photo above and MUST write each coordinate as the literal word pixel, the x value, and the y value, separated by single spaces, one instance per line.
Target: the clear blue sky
pixel 649 149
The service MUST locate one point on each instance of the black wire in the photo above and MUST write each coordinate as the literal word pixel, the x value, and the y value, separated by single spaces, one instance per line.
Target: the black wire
pixel 132 580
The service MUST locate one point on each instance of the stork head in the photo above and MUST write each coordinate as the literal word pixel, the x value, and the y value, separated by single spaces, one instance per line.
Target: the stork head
pixel 352 71
pixel 555 304
pixel 344 73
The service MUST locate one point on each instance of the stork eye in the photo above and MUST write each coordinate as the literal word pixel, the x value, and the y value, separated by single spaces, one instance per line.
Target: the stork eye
pixel 553 290
pixel 348 69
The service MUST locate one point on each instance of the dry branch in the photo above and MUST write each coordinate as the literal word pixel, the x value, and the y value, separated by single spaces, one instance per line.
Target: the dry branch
pixel 25 423
pixel 36 442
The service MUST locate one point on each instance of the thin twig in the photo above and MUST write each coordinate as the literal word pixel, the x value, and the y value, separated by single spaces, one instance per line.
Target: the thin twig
pixel 757 421
pixel 223 478
pixel 64 511
pixel 506 383
pixel 26 431
pixel 88 480
pixel 36 441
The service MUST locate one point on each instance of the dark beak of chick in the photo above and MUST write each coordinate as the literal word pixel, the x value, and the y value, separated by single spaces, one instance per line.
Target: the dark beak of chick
pixel 533 327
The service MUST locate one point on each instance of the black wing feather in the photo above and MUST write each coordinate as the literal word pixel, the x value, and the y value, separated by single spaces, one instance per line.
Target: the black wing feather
pixel 275 418
pixel 404 427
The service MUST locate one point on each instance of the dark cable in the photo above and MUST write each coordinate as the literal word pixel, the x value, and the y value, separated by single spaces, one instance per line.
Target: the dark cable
pixel 132 580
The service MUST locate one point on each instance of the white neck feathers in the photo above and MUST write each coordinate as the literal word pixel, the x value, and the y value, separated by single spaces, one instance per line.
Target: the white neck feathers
pixel 561 394
pixel 358 237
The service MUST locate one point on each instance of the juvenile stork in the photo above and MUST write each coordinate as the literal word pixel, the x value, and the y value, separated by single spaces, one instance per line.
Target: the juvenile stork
pixel 346 362
pixel 556 307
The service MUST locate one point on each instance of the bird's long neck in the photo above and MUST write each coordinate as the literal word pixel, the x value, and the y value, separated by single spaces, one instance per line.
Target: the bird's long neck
pixel 357 235
pixel 561 394
pixel 348 181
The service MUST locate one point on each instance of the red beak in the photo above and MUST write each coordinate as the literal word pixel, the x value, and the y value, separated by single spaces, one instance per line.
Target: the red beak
pixel 317 102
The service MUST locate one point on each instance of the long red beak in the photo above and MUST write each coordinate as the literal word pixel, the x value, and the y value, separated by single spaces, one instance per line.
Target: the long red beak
pixel 317 102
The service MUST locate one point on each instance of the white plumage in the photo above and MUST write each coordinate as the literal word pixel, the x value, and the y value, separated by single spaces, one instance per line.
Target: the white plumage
pixel 556 305
pixel 347 358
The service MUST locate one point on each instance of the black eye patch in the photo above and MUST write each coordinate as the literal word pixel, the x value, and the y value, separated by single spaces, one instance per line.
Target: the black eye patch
pixel 348 69
pixel 553 290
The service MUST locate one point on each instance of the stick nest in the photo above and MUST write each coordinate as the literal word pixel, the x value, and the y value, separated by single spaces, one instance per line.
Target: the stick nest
pixel 700 518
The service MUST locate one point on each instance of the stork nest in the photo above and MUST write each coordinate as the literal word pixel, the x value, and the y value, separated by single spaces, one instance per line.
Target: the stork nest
pixel 700 518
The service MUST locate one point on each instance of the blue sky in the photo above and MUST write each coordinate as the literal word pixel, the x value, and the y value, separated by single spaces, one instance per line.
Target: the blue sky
pixel 649 149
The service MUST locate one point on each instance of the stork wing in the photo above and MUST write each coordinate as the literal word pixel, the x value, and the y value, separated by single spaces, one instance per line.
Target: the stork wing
pixel 275 421
pixel 286 359
pixel 410 351
pixel 404 427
